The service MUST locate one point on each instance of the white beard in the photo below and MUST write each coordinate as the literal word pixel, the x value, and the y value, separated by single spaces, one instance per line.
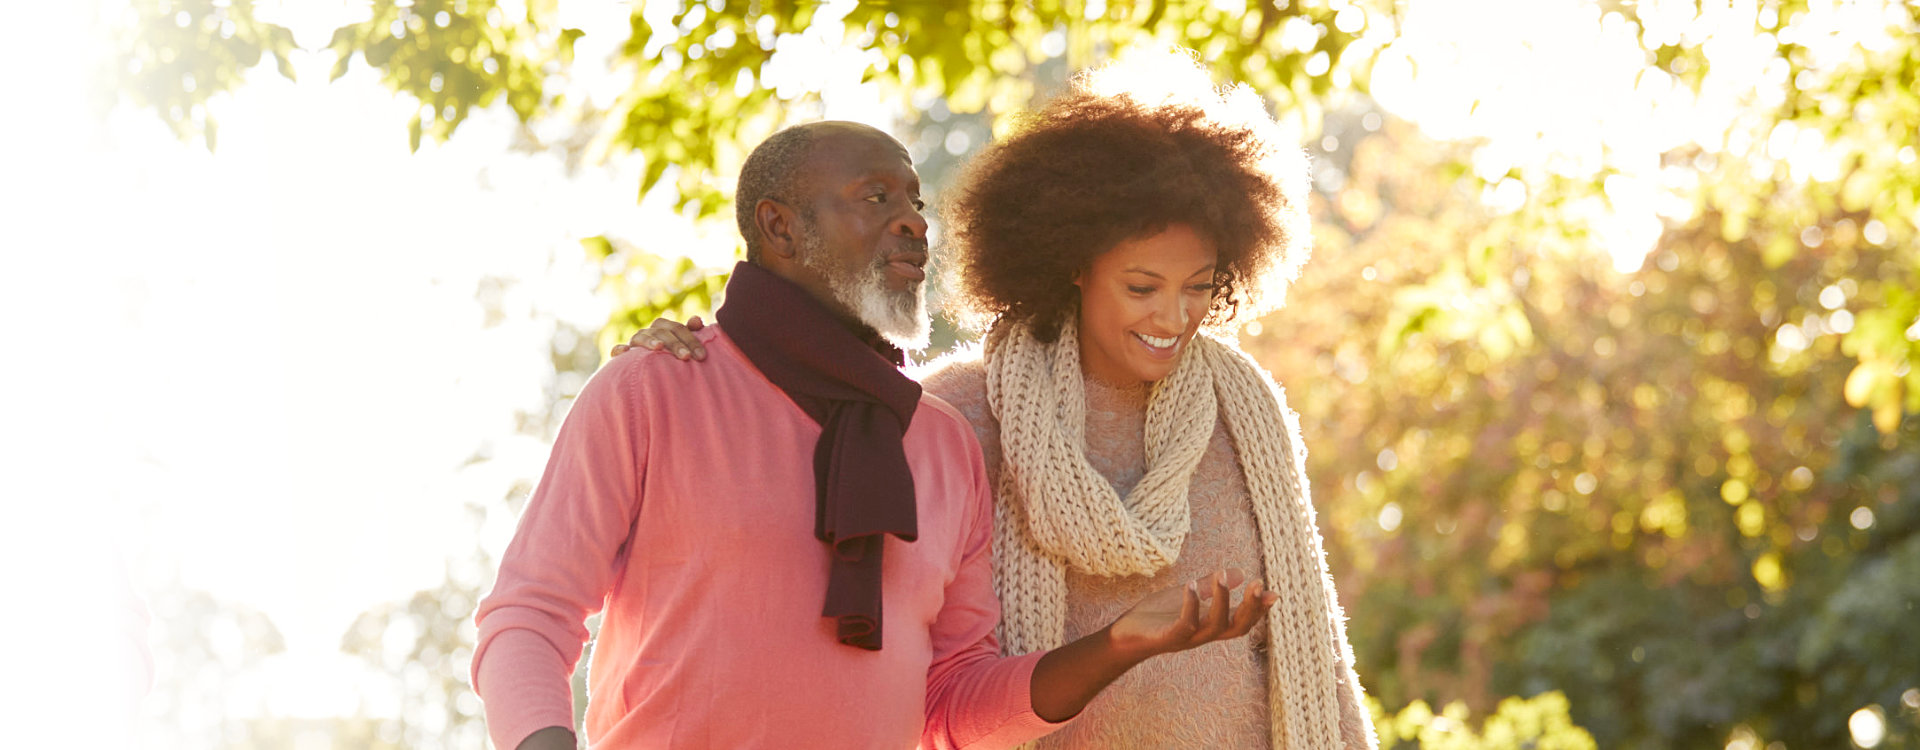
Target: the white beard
pixel 901 316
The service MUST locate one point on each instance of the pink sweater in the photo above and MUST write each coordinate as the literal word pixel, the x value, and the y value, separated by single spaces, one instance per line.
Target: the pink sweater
pixel 680 499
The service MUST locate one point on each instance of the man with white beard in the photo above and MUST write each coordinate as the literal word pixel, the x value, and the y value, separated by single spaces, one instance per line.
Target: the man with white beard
pixel 678 499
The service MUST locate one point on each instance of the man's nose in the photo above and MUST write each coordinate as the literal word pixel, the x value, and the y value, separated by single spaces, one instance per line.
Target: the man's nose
pixel 912 224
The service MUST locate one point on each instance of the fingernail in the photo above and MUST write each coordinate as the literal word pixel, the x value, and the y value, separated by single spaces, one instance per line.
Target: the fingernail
pixel 652 345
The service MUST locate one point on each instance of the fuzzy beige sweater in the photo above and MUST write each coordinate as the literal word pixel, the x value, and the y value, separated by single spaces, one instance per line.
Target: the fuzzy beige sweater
pixel 1216 696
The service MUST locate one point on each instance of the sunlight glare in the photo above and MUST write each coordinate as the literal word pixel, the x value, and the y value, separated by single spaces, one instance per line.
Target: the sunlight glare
pixel 1868 726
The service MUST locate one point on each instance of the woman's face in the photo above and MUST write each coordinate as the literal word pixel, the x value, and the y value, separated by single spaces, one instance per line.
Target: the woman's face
pixel 1141 302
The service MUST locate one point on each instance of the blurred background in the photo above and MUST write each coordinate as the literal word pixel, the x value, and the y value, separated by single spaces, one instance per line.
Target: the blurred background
pixel 1605 356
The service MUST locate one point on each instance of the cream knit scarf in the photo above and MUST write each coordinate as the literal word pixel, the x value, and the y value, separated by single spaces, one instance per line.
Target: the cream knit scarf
pixel 1056 511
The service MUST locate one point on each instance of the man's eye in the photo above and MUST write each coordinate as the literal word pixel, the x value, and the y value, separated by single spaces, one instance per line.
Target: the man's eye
pixel 919 205
pixel 877 198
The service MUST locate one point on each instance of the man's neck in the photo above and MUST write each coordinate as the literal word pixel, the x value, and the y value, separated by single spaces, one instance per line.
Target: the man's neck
pixel 820 293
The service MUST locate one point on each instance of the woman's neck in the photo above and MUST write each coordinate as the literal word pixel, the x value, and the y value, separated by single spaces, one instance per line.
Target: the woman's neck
pixel 1103 392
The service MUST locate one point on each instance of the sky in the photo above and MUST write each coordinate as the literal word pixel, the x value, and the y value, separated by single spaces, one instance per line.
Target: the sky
pixel 259 372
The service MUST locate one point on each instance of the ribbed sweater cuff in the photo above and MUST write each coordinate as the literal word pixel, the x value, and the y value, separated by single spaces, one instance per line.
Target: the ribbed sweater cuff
pixel 525 687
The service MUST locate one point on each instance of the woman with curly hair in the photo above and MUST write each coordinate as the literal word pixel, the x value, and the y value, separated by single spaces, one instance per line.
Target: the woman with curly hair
pixel 1131 450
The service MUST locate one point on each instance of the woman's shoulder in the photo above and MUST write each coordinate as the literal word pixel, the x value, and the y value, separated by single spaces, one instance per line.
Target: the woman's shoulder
pixel 959 378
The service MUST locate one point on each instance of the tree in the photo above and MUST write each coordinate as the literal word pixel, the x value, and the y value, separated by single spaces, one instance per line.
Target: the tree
pixel 1685 497
pixel 1541 474
pixel 206 652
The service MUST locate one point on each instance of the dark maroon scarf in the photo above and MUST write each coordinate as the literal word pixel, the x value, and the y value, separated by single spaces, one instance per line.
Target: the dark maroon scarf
pixel 851 386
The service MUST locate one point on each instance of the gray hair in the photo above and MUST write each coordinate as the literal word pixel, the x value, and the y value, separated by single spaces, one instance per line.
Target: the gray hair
pixel 773 171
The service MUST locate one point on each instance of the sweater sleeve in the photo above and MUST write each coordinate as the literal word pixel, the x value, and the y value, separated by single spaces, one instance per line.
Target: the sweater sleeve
pixel 562 561
pixel 975 698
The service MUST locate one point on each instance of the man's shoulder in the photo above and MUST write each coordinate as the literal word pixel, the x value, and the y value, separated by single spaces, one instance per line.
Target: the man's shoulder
pixel 943 428
pixel 638 366
pixel 936 408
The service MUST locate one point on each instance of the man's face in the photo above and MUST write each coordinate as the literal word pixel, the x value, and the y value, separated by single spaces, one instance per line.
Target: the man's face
pixel 862 234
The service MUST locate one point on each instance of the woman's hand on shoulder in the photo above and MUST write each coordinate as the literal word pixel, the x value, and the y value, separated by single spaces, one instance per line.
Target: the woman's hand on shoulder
pixel 675 337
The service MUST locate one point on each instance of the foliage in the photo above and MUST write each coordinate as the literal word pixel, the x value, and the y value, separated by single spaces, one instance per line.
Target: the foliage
pixel 1678 506
pixel 205 651
pixel 699 71
pixel 424 647
pixel 178 54
pixel 1641 494
pixel 1537 723
pixel 645 286
pixel 454 56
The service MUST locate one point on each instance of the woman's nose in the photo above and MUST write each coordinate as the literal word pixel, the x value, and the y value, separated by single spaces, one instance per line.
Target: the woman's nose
pixel 1174 311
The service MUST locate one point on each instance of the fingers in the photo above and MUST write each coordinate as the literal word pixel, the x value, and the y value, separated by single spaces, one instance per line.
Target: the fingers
pixel 686 342
pixel 645 339
pixel 1217 616
pixel 1255 602
pixel 676 338
pixel 1190 605
pixel 1221 614
pixel 1223 620
pixel 654 341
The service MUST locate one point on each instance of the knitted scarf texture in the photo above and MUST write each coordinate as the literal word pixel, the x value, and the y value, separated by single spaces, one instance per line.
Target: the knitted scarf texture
pixel 1057 511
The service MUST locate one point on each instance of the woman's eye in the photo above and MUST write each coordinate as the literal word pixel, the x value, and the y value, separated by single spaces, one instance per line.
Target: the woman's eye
pixel 1204 287
pixel 877 198
pixel 1140 289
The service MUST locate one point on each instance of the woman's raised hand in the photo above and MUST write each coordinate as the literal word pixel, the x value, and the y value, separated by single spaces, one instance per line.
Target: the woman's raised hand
pixel 1193 615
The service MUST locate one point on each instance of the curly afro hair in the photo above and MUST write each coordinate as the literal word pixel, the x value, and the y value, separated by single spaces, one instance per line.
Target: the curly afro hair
pixel 1098 166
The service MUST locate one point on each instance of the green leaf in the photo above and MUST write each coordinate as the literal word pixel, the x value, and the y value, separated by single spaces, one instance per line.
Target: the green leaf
pixel 342 38
pixel 655 168
pixel 1154 16
pixel 249 55
pixel 379 52
pixel 567 38
pixel 598 246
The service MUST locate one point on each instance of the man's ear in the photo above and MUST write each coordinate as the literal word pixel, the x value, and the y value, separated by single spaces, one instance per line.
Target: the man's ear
pixel 777 223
